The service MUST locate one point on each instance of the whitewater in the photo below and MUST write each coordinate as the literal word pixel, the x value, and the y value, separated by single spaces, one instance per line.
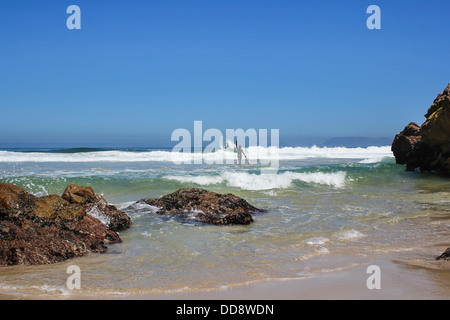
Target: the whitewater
pixel 258 153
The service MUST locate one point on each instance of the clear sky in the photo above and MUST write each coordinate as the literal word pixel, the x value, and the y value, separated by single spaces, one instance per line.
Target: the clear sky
pixel 137 70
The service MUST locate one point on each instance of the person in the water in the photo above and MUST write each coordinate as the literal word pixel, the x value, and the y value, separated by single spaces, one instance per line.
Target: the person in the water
pixel 239 154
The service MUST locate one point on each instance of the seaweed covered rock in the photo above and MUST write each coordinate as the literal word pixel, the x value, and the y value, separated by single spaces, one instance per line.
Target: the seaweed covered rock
pixel 49 229
pixel 427 147
pixel 206 206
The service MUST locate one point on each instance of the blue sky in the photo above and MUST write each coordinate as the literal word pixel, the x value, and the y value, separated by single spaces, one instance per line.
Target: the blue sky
pixel 137 70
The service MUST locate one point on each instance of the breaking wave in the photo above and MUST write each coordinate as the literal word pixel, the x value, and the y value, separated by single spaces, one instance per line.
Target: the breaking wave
pixel 265 181
pixel 369 154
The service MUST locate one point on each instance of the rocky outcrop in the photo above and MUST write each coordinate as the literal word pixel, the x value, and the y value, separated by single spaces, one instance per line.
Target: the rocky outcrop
pixel 427 147
pixel 43 230
pixel 205 206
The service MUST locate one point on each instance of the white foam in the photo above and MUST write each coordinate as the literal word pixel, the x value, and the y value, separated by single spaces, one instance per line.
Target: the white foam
pixel 318 252
pixel 317 241
pixel 201 180
pixel 221 156
pixel 96 213
pixel 48 289
pixel 266 181
pixel 146 234
pixel 192 213
pixel 374 159
pixel 41 289
pixel 323 250
pixel 350 235
pixel 139 209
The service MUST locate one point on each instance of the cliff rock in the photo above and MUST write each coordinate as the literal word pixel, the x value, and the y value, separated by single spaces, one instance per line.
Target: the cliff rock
pixel 427 147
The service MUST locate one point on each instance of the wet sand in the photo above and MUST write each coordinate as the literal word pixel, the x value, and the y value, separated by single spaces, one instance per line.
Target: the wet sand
pixel 398 282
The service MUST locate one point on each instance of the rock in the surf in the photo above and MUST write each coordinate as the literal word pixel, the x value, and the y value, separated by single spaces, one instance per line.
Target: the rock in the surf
pixel 206 206
pixel 445 255
pixel 427 147
pixel 96 205
pixel 49 229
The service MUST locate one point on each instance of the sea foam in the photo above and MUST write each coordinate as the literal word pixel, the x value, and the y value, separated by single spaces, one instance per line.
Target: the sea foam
pixel 350 235
pixel 265 181
pixel 368 154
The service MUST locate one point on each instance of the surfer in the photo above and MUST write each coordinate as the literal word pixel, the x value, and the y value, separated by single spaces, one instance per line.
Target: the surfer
pixel 239 154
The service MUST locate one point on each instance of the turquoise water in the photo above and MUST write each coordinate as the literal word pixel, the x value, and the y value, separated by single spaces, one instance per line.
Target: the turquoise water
pixel 321 203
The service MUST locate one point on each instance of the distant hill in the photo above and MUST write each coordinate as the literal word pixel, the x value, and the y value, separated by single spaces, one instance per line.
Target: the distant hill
pixel 355 142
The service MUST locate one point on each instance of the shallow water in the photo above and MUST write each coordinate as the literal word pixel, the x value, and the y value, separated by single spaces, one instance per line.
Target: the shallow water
pixel 321 204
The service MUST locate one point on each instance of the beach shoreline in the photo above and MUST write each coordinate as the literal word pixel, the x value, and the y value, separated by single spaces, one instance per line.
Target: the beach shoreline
pixel 399 280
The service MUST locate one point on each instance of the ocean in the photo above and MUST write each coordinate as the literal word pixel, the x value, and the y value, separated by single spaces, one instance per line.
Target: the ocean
pixel 327 210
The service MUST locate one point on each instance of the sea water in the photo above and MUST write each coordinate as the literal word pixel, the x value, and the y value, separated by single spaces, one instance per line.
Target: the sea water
pixel 322 204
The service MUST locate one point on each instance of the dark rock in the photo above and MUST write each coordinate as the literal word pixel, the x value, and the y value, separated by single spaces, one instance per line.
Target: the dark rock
pixel 48 229
pixel 405 142
pixel 445 255
pixel 427 147
pixel 208 207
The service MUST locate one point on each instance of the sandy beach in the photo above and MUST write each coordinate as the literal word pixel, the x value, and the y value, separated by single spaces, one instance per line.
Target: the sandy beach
pixel 400 280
